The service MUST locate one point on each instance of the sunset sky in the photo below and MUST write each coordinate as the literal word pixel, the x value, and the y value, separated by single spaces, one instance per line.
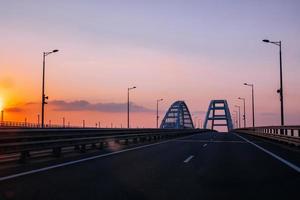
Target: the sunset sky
pixel 187 50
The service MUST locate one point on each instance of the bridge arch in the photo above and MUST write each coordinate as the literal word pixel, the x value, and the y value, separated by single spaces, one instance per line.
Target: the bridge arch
pixel 177 116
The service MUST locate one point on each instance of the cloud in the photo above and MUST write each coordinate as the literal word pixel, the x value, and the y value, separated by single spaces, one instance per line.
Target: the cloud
pixel 82 105
pixel 13 109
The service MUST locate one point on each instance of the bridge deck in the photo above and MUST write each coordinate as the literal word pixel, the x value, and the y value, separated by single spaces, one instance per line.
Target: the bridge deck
pixel 206 166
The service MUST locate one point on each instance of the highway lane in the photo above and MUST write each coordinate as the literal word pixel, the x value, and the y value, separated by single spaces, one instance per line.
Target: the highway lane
pixel 203 166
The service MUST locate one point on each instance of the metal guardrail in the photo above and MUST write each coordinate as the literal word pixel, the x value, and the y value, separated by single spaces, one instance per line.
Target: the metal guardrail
pixel 12 124
pixel 25 141
pixel 287 134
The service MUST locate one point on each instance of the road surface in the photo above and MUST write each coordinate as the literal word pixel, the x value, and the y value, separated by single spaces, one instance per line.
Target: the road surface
pixel 203 166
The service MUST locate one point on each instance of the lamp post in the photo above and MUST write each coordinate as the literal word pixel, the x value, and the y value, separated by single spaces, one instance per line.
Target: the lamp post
pixel 233 116
pixel 131 88
pixel 239 107
pixel 64 122
pixel 236 118
pixel 253 112
pixel 244 105
pixel 195 120
pixel 157 116
pixel 44 97
pixel 38 121
pixel 2 115
pixel 280 90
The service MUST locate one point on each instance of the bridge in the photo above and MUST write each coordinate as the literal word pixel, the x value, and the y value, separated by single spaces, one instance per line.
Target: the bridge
pixel 176 161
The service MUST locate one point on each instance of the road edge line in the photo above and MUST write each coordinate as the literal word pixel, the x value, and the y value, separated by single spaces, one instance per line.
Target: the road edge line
pixel 288 163
pixel 84 159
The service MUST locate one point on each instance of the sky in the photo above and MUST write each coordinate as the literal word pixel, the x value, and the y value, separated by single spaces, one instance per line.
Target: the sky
pixel 187 50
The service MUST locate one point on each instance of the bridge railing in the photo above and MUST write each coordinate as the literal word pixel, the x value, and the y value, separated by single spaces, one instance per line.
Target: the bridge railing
pixel 23 142
pixel 13 124
pixel 288 134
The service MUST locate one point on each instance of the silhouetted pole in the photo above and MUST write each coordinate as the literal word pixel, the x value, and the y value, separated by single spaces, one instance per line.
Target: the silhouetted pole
pixel 244 115
pixel 63 122
pixel 128 125
pixel 44 97
pixel 195 120
pixel 157 116
pixel 2 115
pixel 239 107
pixel 280 91
pixel 236 118
pixel 38 120
pixel 253 112
pixel 199 123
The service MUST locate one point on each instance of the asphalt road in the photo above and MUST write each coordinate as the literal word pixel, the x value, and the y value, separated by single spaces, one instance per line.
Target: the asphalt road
pixel 203 166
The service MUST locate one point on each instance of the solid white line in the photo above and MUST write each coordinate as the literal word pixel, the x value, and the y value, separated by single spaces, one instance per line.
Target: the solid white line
pixel 82 160
pixel 204 145
pixel 188 159
pixel 212 141
pixel 291 165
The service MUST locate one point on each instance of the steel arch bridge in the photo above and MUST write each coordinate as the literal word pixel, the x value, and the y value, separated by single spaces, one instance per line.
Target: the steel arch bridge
pixel 178 116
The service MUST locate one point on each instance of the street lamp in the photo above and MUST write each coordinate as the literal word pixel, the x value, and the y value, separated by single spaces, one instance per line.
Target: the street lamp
pixel 236 118
pixel 280 90
pixel 2 110
pixel 195 120
pixel 253 112
pixel 44 97
pixel 244 115
pixel 239 107
pixel 157 116
pixel 2 115
pixel 131 88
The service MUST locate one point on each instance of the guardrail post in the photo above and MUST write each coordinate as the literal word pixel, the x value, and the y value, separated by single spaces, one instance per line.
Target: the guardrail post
pixel 24 155
pixel 141 139
pixel 83 148
pixel 100 146
pixel 126 141
pixel 76 148
pixel 56 151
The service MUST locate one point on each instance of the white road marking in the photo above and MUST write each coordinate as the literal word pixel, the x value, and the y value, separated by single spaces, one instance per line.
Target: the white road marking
pixel 214 141
pixel 188 159
pixel 204 145
pixel 83 160
pixel 291 165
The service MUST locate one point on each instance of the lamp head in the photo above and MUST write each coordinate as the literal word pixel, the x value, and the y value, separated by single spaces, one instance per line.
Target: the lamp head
pixel 266 40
